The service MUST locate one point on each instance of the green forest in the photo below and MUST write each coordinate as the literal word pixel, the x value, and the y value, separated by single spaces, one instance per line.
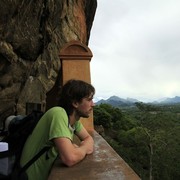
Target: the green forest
pixel 146 136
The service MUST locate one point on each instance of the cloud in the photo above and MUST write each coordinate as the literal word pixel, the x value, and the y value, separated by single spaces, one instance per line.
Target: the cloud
pixel 136 48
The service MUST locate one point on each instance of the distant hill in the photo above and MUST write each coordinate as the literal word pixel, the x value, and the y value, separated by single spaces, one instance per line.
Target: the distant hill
pixel 117 101
pixel 173 100
pixel 120 102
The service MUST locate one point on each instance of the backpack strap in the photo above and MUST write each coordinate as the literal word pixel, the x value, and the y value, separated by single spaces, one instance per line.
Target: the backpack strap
pixel 31 161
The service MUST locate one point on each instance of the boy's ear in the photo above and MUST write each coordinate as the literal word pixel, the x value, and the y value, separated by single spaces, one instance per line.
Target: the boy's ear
pixel 75 104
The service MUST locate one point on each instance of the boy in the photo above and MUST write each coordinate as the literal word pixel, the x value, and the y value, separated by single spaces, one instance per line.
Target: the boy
pixel 56 129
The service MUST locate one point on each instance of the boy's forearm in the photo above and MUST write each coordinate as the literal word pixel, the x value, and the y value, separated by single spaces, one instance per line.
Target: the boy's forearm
pixel 88 145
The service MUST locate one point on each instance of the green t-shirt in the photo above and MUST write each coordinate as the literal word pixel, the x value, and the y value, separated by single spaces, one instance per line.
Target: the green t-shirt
pixel 53 124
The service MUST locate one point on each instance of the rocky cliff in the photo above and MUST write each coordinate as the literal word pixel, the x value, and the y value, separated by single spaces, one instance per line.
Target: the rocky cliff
pixel 32 32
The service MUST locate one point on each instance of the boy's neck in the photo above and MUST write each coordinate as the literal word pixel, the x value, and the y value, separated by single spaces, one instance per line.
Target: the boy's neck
pixel 73 118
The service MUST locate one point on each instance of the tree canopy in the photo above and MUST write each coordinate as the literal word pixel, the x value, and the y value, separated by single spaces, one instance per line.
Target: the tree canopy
pixel 146 137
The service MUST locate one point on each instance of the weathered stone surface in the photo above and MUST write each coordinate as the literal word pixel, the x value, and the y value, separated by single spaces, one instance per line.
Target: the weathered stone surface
pixel 31 36
pixel 103 164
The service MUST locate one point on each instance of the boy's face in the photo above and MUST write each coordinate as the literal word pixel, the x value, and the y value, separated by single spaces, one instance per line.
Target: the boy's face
pixel 85 107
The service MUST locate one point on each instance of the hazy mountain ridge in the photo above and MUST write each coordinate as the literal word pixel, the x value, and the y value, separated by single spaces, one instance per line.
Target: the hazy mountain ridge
pixel 117 101
pixel 173 100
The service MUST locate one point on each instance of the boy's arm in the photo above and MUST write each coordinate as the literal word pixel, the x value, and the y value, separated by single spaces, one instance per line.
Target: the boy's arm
pixel 86 140
pixel 71 154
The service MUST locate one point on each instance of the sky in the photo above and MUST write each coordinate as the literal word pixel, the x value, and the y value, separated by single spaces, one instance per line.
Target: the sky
pixel 136 49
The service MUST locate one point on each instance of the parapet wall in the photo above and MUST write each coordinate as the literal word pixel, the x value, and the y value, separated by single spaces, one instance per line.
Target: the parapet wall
pixel 103 164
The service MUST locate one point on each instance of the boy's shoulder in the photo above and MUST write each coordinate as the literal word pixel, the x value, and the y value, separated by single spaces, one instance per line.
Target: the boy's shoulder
pixel 56 109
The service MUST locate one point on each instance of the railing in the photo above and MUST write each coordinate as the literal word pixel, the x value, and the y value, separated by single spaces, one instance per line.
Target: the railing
pixel 103 164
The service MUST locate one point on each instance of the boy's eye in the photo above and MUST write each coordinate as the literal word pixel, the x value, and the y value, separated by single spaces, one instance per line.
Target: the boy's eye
pixel 90 99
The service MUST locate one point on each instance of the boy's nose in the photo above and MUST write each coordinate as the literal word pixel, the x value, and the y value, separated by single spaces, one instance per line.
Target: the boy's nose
pixel 92 104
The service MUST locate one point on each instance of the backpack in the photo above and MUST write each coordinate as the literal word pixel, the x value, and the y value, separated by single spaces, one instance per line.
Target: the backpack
pixel 18 131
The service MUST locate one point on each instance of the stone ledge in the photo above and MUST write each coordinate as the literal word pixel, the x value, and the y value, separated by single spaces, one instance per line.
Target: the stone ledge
pixel 103 164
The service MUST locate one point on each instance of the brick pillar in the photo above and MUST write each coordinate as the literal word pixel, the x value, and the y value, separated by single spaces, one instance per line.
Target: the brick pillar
pixel 75 58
